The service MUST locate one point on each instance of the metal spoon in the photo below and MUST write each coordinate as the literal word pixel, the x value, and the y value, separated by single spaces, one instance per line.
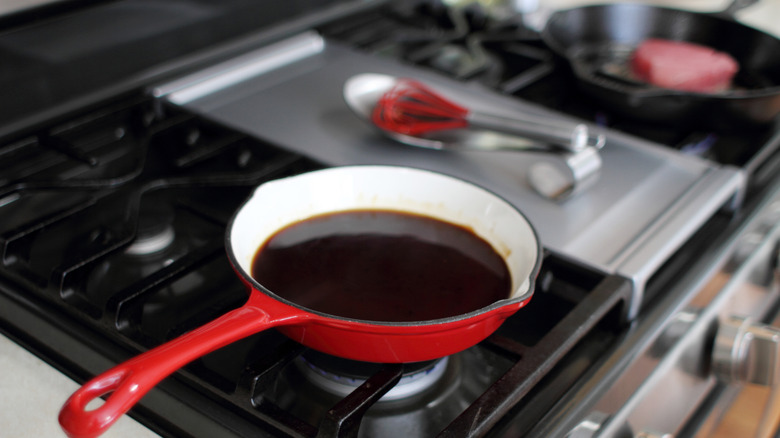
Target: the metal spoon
pixel 520 132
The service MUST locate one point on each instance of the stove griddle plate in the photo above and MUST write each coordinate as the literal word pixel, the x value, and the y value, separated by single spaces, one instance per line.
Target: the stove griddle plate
pixel 646 202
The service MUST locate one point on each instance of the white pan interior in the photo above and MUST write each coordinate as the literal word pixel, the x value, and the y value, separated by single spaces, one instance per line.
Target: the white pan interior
pixel 279 203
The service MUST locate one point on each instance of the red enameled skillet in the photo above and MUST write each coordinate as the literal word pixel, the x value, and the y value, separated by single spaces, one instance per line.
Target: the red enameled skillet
pixel 281 202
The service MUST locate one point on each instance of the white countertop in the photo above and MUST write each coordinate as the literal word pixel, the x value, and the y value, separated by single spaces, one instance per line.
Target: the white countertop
pixel 32 392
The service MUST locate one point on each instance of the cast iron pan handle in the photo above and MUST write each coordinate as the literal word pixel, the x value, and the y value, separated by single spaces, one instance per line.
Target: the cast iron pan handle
pixel 130 381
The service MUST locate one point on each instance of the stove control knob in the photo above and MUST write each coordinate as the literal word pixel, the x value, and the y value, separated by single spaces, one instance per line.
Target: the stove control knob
pixel 746 247
pixel 646 434
pixel 747 352
pixel 591 427
pixel 771 216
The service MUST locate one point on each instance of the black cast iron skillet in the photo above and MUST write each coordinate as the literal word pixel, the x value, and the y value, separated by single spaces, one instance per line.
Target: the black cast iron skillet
pixel 598 42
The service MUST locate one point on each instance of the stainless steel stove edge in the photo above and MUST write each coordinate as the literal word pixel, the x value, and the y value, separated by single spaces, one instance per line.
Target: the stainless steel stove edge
pixel 657 376
pixel 718 188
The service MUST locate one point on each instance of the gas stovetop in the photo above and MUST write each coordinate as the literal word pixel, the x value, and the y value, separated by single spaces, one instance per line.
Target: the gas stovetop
pixel 116 229
pixel 115 214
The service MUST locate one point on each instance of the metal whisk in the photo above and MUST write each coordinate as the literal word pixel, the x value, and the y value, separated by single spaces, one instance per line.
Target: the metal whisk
pixel 412 108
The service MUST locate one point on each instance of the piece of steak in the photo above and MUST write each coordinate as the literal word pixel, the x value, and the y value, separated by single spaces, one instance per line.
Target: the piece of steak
pixel 683 66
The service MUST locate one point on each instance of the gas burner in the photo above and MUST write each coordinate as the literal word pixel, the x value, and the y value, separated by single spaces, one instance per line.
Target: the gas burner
pixel 155 230
pixel 428 397
pixel 466 42
pixel 341 376
pixel 462 61
pixel 151 243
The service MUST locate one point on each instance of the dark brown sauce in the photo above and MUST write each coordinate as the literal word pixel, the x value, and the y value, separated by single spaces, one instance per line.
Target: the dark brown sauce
pixel 382 266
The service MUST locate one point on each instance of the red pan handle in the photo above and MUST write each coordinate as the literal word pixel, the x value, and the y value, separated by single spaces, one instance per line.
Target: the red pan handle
pixel 131 380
